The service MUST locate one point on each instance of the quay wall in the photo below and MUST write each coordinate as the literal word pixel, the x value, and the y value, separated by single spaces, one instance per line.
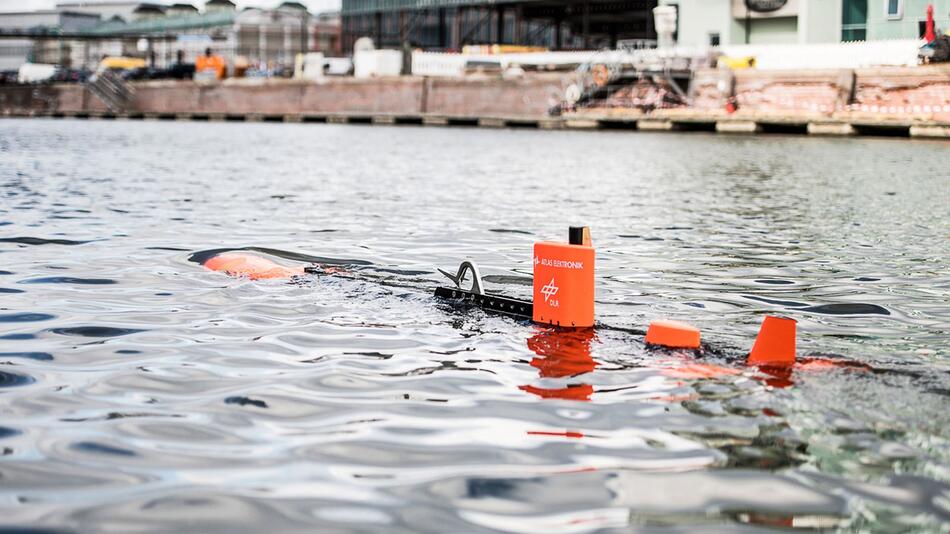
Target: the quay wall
pixel 895 95
pixel 528 96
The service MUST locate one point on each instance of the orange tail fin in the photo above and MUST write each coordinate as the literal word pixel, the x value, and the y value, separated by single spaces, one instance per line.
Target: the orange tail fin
pixel 775 344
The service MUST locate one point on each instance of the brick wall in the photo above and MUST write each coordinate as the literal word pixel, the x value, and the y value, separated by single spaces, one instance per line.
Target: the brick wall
pixel 898 92
pixel 528 96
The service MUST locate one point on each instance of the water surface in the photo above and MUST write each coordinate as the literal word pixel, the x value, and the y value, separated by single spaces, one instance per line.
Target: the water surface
pixel 142 392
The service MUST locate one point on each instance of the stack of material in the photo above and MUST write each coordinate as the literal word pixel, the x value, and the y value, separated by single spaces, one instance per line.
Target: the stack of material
pixel 644 94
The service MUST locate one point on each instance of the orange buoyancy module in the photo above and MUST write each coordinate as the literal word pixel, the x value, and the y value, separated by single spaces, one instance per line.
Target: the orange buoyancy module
pixel 251 266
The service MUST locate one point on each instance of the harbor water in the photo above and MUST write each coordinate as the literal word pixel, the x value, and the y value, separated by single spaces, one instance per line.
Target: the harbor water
pixel 142 392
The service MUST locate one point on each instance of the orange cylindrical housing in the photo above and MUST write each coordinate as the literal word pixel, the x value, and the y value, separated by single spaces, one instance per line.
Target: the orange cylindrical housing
pixel 564 284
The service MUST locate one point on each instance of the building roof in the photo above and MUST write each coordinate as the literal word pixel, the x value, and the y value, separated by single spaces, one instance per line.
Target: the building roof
pixel 149 8
pixel 48 12
pixel 167 24
pixel 356 7
pixel 292 5
pixel 47 21
pixel 86 3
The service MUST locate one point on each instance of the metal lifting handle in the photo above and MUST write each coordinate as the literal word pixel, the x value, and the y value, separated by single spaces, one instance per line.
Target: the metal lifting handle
pixel 457 278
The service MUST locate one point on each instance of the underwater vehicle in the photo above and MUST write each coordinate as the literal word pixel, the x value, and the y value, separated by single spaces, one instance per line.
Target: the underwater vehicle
pixel 563 299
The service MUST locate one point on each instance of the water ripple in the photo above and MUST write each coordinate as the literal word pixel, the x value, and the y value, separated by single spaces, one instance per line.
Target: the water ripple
pixel 351 399
pixel 94 331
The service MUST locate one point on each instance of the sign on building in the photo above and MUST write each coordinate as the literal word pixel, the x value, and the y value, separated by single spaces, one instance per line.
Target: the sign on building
pixel 760 9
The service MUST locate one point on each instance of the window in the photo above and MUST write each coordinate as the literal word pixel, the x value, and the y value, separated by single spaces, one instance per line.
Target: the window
pixel 854 20
pixel 894 9
pixel 714 39
pixel 676 32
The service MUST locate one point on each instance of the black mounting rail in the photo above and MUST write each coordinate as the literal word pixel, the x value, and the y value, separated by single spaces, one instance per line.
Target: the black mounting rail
pixel 522 309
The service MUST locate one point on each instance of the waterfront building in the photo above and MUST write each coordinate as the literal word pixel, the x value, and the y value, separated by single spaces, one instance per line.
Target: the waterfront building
pixel 51 20
pixel 327 35
pixel 715 22
pixel 452 24
pixel 79 34
pixel 17 51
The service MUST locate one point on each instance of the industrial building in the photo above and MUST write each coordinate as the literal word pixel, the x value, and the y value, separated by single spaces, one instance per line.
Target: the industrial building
pixel 573 24
pixel 452 24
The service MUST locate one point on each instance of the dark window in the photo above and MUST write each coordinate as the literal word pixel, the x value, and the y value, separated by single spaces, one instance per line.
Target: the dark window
pixel 854 20
pixel 676 32
pixel 713 39
pixel 854 34
pixel 895 9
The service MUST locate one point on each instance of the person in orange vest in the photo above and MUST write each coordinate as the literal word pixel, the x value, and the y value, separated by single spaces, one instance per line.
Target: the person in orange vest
pixel 212 62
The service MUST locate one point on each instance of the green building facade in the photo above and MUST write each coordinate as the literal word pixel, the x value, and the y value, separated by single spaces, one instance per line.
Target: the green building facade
pixel 903 19
pixel 713 22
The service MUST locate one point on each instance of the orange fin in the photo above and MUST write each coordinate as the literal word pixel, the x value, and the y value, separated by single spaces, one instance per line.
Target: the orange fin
pixel 775 344
pixel 673 334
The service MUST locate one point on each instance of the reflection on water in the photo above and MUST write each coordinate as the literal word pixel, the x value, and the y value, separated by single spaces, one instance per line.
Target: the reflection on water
pixel 140 391
pixel 563 354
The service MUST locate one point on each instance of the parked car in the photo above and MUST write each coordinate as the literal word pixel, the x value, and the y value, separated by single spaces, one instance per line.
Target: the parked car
pixel 36 72
pixel 66 75
pixel 8 77
pixel 121 63
pixel 180 71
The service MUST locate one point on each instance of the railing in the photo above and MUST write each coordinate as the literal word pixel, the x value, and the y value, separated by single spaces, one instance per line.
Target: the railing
pixel 850 55
pixel 112 90
pixel 445 64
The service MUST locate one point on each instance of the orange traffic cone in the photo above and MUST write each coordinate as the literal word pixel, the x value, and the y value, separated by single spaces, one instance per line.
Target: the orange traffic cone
pixel 775 344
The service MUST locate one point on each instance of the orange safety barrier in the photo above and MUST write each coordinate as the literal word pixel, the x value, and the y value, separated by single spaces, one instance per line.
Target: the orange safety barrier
pixel 564 281
pixel 212 62
pixel 673 334
pixel 251 266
